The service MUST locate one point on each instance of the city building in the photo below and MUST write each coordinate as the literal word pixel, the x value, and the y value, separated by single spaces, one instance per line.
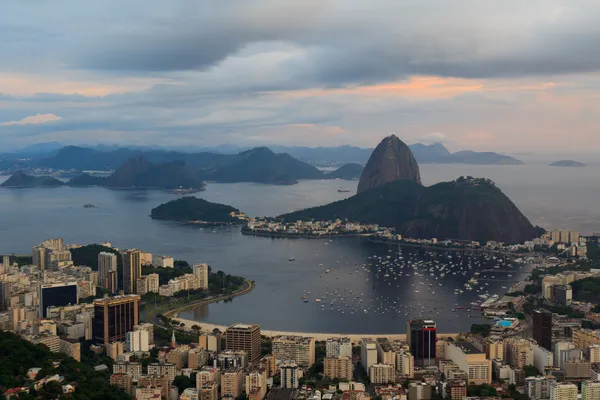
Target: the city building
pixel 164 262
pixel 590 390
pixel 232 383
pixel 564 350
pixel 114 317
pixel 419 391
pixel 132 270
pixel 593 353
pixel 108 272
pixel 133 369
pixel 290 375
pixel 338 347
pixel 207 375
pixel 57 294
pixel 470 360
pixel 338 368
pixel 542 357
pixel 71 348
pixel 115 349
pixel 209 391
pixel 494 348
pixel 563 294
pixel 538 387
pixel 294 348
pixel 256 381
pixel 380 374
pixel 137 340
pixel 386 353
pixel 542 328
pixel 405 364
pixel 246 338
pixel 148 327
pixel 189 394
pixel 161 368
pixel 577 369
pixel 583 338
pixel 368 353
pixel 210 341
pixel 201 271
pixel 456 389
pixel 123 381
pixel 197 358
pixel 152 282
pixel 421 337
pixel 563 391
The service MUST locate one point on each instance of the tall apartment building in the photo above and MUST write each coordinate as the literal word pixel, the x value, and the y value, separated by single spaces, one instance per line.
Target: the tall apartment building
pixel 564 236
pixel 207 375
pixel 470 360
pixel 542 357
pixel 563 391
pixel 114 317
pixel 538 387
pixel 210 341
pixel 164 262
pixel 542 328
pixel 368 353
pixel 494 348
pixel 338 368
pixel 405 363
pixel 148 327
pixel 56 295
pixel 289 375
pixel 153 283
pixel 386 354
pixel 246 338
pixel 256 380
pixel 381 374
pixel 583 338
pixel 456 389
pixel 577 369
pixel 134 369
pixel 419 391
pixel 137 341
pixel 338 347
pixel 160 369
pixel 132 270
pixel 593 353
pixel 232 383
pixel 197 358
pixel 421 337
pixel 209 391
pixel 108 272
pixel 590 390
pixel 295 348
pixel 518 352
pixel 201 273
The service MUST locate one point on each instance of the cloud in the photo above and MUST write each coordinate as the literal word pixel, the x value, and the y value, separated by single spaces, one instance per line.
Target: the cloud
pixel 33 120
pixel 434 137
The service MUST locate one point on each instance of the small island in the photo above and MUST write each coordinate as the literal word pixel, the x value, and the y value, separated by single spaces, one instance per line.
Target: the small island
pixel 198 211
pixel 21 180
pixel 567 163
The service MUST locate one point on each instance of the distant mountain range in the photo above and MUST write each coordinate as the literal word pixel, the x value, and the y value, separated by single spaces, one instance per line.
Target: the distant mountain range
pixel 53 155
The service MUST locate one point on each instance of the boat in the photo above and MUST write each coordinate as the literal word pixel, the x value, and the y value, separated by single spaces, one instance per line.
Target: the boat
pixel 291 259
pixel 342 190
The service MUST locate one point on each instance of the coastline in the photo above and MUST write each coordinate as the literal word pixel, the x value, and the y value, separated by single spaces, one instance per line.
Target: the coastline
pixel 288 236
pixel 319 336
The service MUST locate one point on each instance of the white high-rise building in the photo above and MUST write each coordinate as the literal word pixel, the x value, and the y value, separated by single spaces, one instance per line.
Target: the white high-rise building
pixel 107 271
pixel 368 353
pixel 564 391
pixel 138 340
pixel 338 347
pixel 201 274
pixel 593 353
pixel 153 283
pixel 164 262
pixel 590 390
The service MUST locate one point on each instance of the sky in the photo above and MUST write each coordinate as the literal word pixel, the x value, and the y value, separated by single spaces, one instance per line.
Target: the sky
pixel 510 76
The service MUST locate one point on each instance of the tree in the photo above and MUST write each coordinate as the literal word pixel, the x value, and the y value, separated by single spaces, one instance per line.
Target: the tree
pixel 196 328
pixel 530 370
pixel 184 382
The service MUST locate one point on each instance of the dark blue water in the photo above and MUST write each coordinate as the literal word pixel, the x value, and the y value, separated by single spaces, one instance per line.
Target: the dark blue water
pixel 552 197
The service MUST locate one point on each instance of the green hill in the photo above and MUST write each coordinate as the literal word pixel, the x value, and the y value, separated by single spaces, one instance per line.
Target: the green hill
pixel 193 209
pixel 21 180
pixel 19 356
pixel 467 209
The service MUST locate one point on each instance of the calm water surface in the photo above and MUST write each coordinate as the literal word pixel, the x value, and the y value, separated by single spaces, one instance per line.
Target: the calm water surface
pixel 550 197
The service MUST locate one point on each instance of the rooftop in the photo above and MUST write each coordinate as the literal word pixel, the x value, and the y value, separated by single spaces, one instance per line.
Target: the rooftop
pixel 467 347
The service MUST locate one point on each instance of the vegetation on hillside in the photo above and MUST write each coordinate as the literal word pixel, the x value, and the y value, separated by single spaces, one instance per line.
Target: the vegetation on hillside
pixel 468 208
pixel 88 255
pixel 20 355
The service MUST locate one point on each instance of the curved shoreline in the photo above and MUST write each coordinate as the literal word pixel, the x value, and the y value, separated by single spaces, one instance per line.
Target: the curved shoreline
pixel 173 313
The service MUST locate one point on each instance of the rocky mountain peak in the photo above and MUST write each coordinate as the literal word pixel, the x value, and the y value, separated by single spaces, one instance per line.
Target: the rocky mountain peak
pixel 392 160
